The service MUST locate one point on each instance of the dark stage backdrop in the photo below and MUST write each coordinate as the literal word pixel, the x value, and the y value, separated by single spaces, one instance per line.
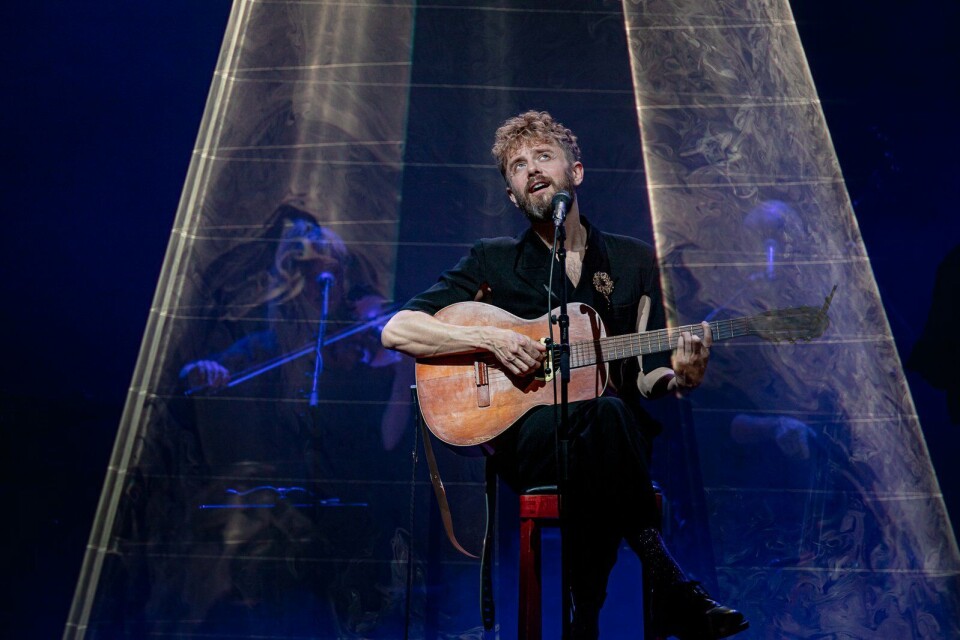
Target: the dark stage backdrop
pixel 248 511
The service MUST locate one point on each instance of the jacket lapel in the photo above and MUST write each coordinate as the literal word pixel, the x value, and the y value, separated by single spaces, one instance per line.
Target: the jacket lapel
pixel 597 260
pixel 532 264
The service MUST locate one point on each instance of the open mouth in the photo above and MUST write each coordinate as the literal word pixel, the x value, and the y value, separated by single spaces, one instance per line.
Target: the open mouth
pixel 539 185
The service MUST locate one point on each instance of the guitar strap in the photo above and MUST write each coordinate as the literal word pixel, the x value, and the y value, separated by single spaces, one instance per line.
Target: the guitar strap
pixel 486 563
pixel 438 489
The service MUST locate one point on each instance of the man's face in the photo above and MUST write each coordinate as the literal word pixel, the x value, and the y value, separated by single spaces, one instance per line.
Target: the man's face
pixel 535 173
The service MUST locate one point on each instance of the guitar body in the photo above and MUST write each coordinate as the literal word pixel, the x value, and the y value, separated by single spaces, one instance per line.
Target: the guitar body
pixel 468 399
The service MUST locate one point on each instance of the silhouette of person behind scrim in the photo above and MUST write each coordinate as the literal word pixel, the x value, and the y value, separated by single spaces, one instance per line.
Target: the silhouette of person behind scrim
pixel 268 297
pixel 310 484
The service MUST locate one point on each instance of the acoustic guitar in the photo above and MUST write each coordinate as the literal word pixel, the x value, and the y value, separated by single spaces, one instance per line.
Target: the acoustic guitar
pixel 468 399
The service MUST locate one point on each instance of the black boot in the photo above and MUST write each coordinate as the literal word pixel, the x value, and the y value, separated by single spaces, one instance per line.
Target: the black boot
pixel 687 611
pixel 679 607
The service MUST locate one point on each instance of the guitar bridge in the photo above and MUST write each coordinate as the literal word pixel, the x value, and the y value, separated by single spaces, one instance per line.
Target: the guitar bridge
pixel 483 383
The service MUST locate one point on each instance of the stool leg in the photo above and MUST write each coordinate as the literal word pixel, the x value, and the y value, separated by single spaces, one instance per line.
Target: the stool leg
pixel 529 613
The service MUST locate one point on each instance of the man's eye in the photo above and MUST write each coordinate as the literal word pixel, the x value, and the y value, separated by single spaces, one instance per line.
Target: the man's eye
pixel 545 156
pixel 518 166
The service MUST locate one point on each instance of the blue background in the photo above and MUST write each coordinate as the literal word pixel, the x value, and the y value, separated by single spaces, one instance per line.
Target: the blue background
pixel 102 106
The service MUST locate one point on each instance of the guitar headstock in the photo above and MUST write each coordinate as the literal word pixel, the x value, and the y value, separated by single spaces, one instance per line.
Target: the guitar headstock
pixel 793 324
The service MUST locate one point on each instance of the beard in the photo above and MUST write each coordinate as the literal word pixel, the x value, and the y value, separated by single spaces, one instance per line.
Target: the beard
pixel 537 207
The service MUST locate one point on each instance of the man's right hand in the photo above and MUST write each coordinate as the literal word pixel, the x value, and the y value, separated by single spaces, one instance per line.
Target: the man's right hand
pixel 205 374
pixel 518 354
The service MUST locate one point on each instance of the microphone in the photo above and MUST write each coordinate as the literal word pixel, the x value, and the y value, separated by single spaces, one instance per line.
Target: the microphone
pixel 561 204
pixel 326 278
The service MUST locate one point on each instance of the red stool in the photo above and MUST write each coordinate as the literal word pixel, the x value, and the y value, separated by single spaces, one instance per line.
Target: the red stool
pixel 540 507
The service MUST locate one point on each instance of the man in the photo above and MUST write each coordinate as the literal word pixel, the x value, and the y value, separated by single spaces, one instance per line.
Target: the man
pixel 617 276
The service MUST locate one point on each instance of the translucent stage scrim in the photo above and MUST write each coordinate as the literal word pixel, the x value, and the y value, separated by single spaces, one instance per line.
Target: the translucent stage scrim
pixel 824 512
pixel 273 506
pixel 341 165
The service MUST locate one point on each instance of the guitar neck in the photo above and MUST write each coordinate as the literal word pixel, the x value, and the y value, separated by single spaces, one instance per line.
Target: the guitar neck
pixel 588 353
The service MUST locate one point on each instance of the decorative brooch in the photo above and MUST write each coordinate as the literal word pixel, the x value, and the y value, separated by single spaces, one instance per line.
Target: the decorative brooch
pixel 603 285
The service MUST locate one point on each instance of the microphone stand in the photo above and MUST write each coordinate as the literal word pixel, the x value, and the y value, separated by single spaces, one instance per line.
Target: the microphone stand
pixel 563 432
pixel 327 280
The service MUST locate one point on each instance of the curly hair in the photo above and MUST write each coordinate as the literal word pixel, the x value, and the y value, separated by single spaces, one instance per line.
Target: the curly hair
pixel 532 126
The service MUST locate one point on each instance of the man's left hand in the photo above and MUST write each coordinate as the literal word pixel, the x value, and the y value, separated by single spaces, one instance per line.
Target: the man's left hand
pixel 690 358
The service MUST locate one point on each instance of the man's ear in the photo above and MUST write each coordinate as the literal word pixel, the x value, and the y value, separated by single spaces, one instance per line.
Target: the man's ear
pixel 577 171
pixel 512 197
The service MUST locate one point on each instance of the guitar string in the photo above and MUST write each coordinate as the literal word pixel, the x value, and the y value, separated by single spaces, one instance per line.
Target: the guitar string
pixel 610 348
pixel 623 346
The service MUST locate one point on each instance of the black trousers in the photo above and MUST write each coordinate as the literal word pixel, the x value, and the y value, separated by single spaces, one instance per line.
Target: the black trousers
pixel 610 494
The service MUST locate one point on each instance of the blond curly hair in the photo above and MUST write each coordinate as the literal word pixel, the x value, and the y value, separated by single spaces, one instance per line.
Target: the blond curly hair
pixel 532 126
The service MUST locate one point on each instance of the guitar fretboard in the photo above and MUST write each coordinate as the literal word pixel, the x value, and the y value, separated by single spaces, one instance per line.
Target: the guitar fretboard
pixel 588 353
